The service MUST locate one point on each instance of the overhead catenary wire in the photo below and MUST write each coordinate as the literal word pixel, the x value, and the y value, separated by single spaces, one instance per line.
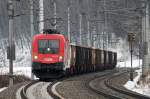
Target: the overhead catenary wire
pixel 25 14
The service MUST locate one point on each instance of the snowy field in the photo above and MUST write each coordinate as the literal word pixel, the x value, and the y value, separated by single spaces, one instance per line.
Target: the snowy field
pixel 17 71
pixel 132 85
pixel 21 65
pixel 135 63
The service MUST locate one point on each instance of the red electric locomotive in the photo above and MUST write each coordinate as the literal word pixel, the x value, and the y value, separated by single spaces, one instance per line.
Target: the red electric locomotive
pixel 53 56
pixel 48 54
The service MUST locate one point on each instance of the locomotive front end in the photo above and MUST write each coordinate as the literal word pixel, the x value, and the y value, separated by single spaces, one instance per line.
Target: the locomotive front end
pixel 48 55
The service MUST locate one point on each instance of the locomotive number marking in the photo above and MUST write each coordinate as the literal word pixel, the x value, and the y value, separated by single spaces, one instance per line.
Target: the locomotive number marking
pixel 48 59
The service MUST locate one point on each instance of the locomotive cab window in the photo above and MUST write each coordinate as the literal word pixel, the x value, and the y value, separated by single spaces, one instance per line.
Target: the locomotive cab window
pixel 48 46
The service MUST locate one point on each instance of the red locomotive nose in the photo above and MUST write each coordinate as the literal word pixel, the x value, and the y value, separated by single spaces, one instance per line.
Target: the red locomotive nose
pixel 49 48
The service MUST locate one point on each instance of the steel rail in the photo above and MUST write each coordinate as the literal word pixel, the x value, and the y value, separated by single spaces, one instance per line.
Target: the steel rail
pixel 123 91
pixel 24 89
pixel 51 92
pixel 101 92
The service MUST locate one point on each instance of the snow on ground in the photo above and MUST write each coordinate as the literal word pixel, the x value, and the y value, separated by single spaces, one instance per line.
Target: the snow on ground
pixel 22 63
pixel 17 71
pixel 135 63
pixel 145 90
pixel 23 57
pixel 1 89
pixel 132 85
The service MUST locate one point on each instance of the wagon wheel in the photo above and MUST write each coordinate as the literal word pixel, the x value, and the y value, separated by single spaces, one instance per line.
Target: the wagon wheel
pixel 67 72
pixel 71 70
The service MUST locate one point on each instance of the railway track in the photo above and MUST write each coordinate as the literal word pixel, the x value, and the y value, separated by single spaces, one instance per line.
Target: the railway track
pixel 38 90
pixel 99 84
pixel 123 91
pixel 52 91
pixel 76 87
pixel 23 90
pixel 103 85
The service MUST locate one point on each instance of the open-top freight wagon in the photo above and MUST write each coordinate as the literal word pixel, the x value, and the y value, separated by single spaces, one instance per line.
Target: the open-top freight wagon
pixel 53 56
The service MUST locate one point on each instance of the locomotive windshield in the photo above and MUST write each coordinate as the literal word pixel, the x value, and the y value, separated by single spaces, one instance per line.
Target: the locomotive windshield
pixel 48 46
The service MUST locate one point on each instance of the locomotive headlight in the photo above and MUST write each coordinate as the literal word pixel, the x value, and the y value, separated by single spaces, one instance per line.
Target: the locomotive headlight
pixel 60 58
pixel 35 57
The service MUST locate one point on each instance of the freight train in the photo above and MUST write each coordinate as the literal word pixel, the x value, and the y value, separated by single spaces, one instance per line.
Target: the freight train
pixel 53 56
